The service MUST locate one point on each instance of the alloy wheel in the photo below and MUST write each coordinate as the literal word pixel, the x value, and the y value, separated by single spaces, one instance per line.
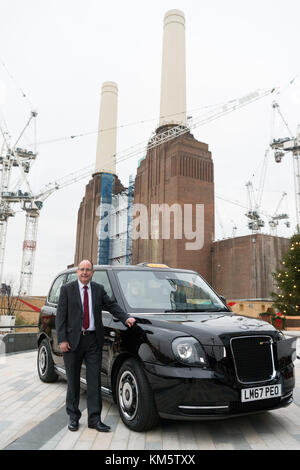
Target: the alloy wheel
pixel 128 395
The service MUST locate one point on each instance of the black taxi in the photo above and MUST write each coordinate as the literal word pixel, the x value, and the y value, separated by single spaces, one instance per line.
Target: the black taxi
pixel 188 356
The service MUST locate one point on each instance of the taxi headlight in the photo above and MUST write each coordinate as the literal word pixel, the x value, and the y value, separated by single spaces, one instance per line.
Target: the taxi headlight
pixel 189 351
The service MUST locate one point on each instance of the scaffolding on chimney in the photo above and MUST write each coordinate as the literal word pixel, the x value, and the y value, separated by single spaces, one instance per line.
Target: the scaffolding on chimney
pixel 105 217
pixel 116 214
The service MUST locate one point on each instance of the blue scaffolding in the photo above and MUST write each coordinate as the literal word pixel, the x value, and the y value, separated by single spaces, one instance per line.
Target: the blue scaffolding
pixel 107 181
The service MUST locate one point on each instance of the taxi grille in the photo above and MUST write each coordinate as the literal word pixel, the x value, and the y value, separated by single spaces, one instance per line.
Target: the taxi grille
pixel 253 358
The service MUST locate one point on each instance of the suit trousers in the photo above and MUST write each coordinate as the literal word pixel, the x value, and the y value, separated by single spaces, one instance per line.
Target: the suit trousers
pixel 89 352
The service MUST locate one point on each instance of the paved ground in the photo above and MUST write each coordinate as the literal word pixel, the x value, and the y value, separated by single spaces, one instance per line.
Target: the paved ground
pixel 32 416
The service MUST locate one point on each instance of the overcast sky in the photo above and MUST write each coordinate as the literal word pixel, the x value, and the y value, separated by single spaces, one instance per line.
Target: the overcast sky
pixel 59 52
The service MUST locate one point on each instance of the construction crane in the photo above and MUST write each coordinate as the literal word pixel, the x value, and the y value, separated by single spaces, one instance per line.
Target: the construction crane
pixel 256 223
pixel 32 204
pixel 272 219
pixel 175 131
pixel 289 145
pixel 273 223
pixel 10 157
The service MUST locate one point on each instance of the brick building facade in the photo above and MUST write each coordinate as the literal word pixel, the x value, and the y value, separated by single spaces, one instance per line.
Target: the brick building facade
pixel 242 267
pixel 179 172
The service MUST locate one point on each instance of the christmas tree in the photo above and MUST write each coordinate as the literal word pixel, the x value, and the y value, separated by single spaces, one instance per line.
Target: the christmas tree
pixel 287 299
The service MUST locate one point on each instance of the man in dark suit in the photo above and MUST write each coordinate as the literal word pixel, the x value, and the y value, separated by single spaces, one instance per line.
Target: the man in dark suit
pixel 80 336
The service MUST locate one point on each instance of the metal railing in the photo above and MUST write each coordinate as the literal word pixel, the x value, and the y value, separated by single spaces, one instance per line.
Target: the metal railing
pixel 11 328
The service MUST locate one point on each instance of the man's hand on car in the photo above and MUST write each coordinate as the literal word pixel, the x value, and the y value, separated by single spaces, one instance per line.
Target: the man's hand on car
pixel 130 321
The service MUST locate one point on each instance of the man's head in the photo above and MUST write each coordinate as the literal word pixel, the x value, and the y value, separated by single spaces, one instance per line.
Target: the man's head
pixel 85 271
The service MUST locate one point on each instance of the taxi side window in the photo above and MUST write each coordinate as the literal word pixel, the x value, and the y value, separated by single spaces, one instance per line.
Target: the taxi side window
pixel 102 278
pixel 55 289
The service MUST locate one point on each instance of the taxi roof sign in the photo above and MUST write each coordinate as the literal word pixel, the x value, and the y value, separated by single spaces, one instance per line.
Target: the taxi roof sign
pixel 153 265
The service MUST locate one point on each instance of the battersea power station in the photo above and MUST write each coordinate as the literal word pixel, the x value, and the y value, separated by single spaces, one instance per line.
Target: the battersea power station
pixel 166 213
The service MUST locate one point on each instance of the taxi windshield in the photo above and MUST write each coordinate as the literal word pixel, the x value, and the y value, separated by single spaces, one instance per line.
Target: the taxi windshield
pixel 168 291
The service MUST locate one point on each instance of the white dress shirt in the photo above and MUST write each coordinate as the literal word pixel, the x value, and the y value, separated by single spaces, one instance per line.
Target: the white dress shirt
pixel 89 291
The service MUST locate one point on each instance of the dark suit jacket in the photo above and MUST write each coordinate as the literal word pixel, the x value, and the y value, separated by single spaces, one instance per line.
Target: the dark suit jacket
pixel 69 315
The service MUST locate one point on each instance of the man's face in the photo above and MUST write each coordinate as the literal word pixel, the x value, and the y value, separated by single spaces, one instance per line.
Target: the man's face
pixel 85 272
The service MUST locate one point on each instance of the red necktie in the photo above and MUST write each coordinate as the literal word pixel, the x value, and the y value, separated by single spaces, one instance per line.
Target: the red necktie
pixel 86 311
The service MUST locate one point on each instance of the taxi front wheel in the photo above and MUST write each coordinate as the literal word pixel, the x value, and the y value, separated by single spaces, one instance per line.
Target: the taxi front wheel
pixel 135 398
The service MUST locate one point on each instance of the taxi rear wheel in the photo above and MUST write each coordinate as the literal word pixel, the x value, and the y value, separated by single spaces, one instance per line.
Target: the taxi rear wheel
pixel 135 398
pixel 45 363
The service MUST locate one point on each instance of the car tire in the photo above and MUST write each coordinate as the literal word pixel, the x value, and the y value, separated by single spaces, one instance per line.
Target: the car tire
pixel 135 398
pixel 45 364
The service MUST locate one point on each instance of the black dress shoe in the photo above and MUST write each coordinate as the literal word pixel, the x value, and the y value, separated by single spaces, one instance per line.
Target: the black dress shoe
pixel 73 425
pixel 101 427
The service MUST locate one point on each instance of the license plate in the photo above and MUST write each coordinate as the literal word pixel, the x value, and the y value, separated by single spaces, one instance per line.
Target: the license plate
pixel 260 393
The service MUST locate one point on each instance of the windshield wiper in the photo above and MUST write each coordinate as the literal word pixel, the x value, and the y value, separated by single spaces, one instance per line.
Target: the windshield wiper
pixel 185 310
pixel 218 309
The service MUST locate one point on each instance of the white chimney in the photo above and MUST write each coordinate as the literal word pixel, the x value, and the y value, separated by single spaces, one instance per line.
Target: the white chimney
pixel 173 77
pixel 107 130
